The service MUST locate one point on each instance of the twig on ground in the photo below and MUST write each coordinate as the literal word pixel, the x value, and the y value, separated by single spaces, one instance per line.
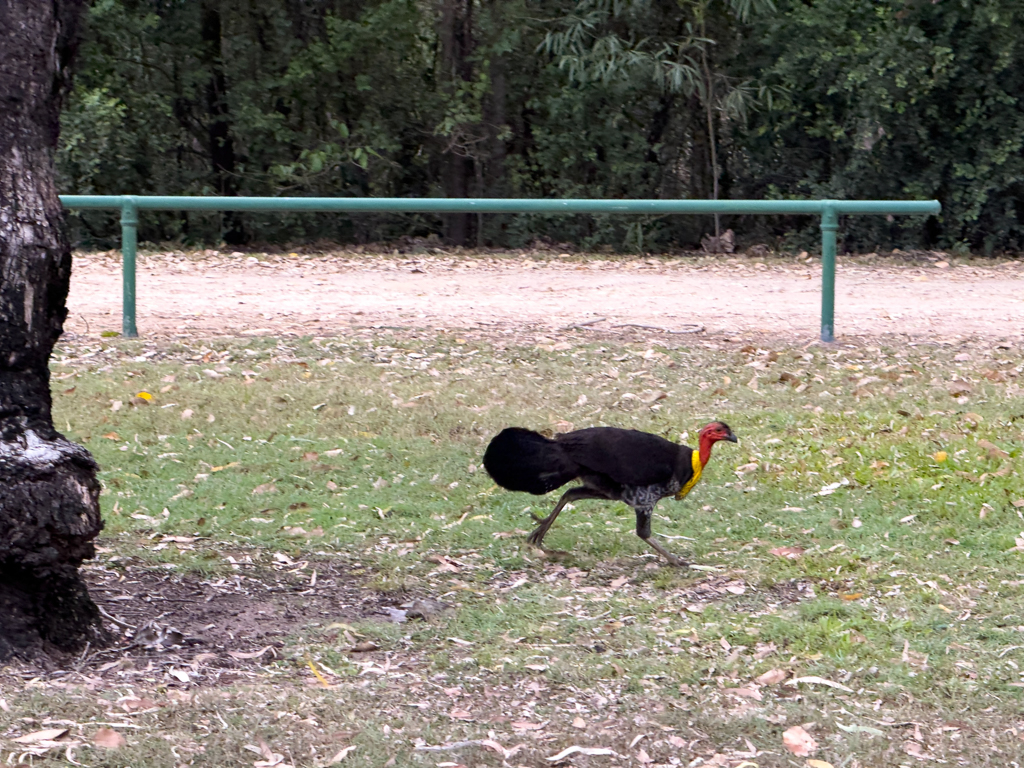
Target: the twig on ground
pixel 486 743
pixel 117 621
pixel 695 327
pixel 453 745
pixel 583 324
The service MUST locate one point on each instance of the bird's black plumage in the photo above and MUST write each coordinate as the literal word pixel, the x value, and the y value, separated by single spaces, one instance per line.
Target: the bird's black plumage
pixel 523 460
pixel 627 456
pixel 614 464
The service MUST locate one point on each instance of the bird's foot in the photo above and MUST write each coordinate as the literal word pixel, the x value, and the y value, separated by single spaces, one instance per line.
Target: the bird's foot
pixel 537 536
pixel 672 559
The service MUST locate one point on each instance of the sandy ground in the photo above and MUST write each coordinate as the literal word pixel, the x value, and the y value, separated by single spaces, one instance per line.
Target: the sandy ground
pixel 216 294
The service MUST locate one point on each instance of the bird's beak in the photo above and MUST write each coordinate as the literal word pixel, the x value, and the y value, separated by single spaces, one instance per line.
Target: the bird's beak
pixel 732 439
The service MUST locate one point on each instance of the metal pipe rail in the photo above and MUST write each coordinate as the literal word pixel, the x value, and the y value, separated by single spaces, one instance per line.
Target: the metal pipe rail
pixel 828 210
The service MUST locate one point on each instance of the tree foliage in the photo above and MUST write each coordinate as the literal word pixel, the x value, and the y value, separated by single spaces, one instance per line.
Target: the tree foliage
pixel 588 98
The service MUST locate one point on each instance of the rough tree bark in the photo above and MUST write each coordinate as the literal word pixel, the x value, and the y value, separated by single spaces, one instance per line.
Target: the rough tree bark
pixel 455 33
pixel 222 145
pixel 49 494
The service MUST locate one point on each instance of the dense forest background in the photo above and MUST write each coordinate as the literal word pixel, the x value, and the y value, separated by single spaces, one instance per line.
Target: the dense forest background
pixel 554 98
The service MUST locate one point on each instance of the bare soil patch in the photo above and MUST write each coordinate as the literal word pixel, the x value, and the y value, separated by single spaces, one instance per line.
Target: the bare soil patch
pixel 232 612
pixel 213 628
pixel 330 294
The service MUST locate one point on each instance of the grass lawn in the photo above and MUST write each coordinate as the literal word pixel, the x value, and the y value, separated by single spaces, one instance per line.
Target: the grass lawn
pixel 859 557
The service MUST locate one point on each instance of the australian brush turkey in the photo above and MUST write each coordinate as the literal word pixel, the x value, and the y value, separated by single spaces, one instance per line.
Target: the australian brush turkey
pixel 625 465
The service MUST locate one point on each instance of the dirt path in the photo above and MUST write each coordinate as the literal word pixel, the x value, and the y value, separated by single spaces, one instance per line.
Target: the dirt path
pixel 217 294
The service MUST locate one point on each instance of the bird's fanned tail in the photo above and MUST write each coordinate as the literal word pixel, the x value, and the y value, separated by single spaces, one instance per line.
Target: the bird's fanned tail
pixel 523 460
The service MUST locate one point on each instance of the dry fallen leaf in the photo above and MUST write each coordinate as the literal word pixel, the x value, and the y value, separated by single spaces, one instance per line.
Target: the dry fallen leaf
pixel 817 764
pixel 522 725
pixel 253 655
pixel 914 749
pixel 771 677
pixel 50 734
pixel 340 755
pixel 579 722
pixel 913 658
pixel 994 451
pixel 129 705
pixel 854 728
pixel 958 388
pixel 799 742
pixel 815 680
pixel 746 693
pixel 108 738
pixel 460 714
pixel 790 553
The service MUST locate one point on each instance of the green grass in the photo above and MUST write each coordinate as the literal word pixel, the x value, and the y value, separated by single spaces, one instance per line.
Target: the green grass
pixel 908 590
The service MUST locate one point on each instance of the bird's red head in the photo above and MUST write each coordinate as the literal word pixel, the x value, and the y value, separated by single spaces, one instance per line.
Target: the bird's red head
pixel 711 434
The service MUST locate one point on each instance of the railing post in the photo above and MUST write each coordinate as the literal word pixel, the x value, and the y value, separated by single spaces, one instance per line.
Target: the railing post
pixel 129 246
pixel 829 225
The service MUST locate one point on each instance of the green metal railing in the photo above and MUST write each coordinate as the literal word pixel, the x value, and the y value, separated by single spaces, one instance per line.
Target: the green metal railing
pixel 828 210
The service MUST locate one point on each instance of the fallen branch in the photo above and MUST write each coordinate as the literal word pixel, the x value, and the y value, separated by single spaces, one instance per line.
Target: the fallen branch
pixel 583 751
pixel 115 620
pixel 694 327
pixel 583 324
pixel 455 745
pixel 486 743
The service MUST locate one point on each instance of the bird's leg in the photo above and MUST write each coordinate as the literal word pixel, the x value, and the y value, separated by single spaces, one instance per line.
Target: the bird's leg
pixel 573 494
pixel 643 530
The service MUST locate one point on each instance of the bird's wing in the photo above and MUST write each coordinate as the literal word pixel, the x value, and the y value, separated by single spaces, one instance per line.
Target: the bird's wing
pixel 627 456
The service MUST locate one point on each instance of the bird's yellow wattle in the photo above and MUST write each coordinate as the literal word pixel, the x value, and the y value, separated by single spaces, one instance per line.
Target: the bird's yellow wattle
pixel 698 467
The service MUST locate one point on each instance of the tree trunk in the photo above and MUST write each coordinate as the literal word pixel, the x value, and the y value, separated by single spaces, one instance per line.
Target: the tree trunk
pixel 456 41
pixel 222 145
pixel 49 494
pixel 496 122
pixel 709 110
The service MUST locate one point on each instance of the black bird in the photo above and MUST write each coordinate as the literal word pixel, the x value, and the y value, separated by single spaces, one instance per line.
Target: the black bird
pixel 626 465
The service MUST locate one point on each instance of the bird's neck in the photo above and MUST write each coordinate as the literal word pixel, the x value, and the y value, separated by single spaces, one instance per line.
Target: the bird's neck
pixel 705 449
